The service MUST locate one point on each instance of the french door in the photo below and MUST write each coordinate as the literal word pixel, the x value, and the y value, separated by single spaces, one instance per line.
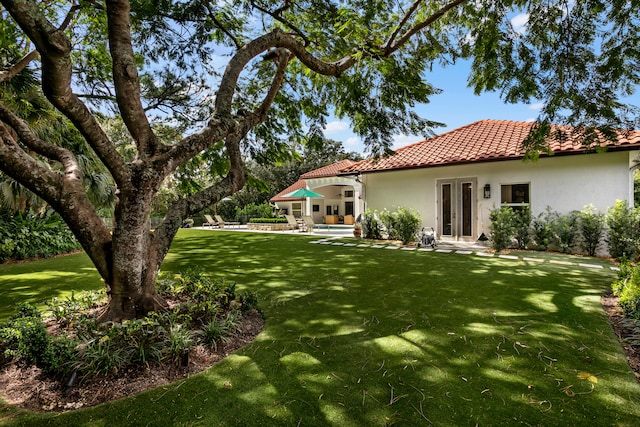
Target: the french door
pixel 456 218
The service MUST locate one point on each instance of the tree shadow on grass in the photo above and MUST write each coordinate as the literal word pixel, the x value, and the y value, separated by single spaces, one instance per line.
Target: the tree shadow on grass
pixel 359 337
pixel 40 281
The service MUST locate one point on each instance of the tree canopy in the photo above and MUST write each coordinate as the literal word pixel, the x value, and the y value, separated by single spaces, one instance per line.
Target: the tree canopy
pixel 252 78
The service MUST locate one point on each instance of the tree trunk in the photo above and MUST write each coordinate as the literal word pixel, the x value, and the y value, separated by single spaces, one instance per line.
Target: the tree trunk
pixel 131 301
pixel 132 291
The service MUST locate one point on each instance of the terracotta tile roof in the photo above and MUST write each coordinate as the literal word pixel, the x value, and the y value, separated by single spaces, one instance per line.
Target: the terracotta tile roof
pixel 483 141
pixel 301 183
pixel 325 171
pixel 329 170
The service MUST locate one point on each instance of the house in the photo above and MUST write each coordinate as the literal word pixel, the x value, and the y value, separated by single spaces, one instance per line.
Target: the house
pixel 455 179
pixel 341 202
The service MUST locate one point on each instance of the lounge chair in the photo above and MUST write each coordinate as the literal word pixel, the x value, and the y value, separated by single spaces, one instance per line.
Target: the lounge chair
pixel 293 224
pixel 308 223
pixel 209 221
pixel 222 222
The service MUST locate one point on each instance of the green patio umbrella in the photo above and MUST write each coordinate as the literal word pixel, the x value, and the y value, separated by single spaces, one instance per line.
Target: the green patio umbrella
pixel 303 193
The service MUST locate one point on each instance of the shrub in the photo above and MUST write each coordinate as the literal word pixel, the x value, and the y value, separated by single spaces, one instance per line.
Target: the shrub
pixel 102 357
pixel 521 226
pixel 623 231
pixel 71 308
pixel 59 356
pixel 251 210
pixel 28 235
pixel 179 340
pixel 591 229
pixel 502 227
pixel 371 225
pixel 24 336
pixel 402 224
pixel 388 226
pixel 627 287
pixel 214 331
pixel 268 220
pixel 248 301
pixel 406 224
pixel 542 230
pixel 566 231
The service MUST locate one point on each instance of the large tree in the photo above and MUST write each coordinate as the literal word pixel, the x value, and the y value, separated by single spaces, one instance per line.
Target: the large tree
pixel 288 65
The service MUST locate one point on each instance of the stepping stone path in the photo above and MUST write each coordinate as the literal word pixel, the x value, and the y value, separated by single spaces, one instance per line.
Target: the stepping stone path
pixel 480 253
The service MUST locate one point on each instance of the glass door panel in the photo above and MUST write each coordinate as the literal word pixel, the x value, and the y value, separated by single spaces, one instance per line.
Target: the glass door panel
pixel 467 209
pixel 446 224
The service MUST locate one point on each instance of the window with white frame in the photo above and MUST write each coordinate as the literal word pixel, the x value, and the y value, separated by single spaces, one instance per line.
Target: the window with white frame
pixel 515 195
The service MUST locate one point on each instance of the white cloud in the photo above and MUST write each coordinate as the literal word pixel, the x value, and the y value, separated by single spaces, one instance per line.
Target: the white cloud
pixel 400 141
pixel 536 106
pixel 336 127
pixel 519 22
pixel 530 120
pixel 354 141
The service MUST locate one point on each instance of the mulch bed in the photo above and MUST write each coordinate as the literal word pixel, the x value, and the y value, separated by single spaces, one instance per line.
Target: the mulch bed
pixel 26 387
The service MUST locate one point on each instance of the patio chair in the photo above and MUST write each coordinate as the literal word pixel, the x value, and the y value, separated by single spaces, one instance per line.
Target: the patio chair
pixel 291 220
pixel 308 223
pixel 222 222
pixel 209 221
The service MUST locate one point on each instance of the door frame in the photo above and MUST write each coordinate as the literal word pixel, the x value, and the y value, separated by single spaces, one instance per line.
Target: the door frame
pixel 457 209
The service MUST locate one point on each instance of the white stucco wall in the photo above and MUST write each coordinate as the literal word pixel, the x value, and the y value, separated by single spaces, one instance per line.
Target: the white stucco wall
pixel 564 183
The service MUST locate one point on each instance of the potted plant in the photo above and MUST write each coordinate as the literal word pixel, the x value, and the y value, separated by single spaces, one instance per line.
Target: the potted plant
pixel 357 229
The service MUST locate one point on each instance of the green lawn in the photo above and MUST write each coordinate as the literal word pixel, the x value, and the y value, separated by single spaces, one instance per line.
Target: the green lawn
pixel 374 337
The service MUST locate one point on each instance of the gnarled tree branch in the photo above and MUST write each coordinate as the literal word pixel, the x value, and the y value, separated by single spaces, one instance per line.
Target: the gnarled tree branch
pixel 391 47
pixel 126 79
pixel 55 49
pixel 15 69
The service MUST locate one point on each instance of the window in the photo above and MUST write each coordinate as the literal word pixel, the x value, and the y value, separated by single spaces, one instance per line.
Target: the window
pixel 348 208
pixel 316 208
pixel 348 193
pixel 514 195
pixel 296 209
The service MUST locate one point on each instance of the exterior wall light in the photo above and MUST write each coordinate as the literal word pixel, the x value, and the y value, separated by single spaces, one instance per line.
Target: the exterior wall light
pixel 487 191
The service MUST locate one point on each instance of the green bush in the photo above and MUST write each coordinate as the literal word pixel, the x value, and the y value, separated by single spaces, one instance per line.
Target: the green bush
pixel 627 287
pixel 268 220
pixel 59 355
pixel 388 224
pixel 371 225
pixel 406 224
pixel 522 226
pixel 542 230
pixel 244 215
pixel 29 235
pixel 24 336
pixel 402 224
pixel 623 231
pixel 502 227
pixel 566 230
pixel 248 300
pixel 591 229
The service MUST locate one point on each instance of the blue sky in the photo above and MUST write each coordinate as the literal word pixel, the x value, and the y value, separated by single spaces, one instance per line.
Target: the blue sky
pixel 456 106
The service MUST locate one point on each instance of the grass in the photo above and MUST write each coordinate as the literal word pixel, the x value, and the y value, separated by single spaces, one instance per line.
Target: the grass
pixel 373 337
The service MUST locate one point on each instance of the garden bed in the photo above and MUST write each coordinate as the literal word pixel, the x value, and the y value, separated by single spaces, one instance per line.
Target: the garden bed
pixel 261 226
